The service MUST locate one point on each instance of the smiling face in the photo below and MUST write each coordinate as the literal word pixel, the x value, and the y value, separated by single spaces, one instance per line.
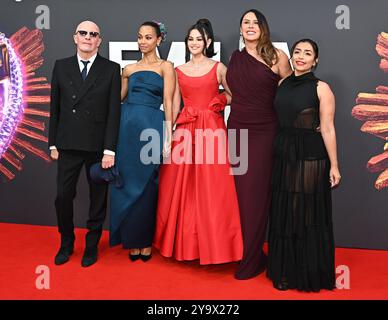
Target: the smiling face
pixel 147 39
pixel 304 57
pixel 250 27
pixel 88 43
pixel 196 42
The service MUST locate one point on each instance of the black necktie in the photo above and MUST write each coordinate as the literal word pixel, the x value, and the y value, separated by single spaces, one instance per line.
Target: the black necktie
pixel 84 72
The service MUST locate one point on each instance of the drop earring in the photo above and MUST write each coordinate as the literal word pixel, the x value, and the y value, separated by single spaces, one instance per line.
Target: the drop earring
pixel 241 43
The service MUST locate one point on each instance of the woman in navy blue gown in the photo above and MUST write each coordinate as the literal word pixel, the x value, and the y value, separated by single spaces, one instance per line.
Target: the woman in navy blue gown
pixel 145 85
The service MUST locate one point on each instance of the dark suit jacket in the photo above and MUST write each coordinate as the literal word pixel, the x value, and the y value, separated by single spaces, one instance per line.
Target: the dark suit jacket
pixel 85 115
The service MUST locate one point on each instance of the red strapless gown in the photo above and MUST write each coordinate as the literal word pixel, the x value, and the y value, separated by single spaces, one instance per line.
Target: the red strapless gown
pixel 198 214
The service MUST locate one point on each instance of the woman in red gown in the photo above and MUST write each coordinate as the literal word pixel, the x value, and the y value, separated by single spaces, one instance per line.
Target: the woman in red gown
pixel 198 214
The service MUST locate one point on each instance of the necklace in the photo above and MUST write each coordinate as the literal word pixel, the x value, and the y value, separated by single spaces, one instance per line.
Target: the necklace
pixel 197 66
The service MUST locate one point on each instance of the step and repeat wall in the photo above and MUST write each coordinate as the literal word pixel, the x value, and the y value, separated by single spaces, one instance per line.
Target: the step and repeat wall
pixel 353 60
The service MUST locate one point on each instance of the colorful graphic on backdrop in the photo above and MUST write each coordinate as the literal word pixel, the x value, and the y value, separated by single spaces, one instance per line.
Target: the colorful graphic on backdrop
pixel 24 100
pixel 373 108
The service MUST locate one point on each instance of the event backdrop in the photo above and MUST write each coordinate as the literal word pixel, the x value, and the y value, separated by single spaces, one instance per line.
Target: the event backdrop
pixel 353 60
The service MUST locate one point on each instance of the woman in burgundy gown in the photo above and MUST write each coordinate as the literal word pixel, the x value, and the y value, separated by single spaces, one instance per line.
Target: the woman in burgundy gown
pixel 198 215
pixel 253 75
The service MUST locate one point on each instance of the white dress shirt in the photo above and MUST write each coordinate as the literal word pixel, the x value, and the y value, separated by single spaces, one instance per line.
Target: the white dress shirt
pixel 81 67
pixel 88 66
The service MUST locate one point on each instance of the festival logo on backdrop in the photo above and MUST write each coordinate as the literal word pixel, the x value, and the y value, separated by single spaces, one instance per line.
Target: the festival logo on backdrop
pixel 24 100
pixel 373 109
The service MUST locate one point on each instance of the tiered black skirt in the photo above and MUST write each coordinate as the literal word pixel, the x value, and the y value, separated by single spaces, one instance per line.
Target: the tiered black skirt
pixel 300 242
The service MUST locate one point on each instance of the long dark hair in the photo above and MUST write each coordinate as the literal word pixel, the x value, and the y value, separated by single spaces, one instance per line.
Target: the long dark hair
pixel 313 44
pixel 205 28
pixel 264 47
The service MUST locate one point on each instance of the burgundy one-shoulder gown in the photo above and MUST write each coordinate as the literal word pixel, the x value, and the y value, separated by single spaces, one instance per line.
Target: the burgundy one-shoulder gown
pixel 253 85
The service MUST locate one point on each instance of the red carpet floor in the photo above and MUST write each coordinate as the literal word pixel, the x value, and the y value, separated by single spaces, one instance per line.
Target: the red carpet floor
pixel 24 247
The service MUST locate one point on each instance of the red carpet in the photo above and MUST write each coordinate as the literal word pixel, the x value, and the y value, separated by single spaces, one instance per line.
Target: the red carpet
pixel 25 247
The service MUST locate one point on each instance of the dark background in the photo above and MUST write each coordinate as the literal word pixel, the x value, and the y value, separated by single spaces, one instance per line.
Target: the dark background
pixel 348 62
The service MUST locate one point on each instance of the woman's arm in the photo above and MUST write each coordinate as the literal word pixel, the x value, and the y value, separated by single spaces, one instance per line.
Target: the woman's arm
pixel 176 102
pixel 124 81
pixel 221 75
pixel 283 65
pixel 168 94
pixel 326 114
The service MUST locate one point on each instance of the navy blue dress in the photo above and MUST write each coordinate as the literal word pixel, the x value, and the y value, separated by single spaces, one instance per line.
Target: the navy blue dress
pixel 133 207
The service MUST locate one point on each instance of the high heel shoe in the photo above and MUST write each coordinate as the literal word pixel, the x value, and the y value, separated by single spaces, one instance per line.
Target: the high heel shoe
pixel 145 257
pixel 282 286
pixel 134 257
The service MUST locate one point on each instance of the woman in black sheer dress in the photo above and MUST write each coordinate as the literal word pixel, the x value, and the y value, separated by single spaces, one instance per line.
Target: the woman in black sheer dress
pixel 301 243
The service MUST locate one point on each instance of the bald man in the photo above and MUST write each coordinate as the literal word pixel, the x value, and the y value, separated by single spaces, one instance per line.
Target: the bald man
pixel 84 124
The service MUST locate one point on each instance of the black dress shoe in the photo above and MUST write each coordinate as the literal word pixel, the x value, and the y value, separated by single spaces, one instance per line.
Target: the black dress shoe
pixel 145 258
pixel 63 255
pixel 90 257
pixel 134 257
pixel 282 286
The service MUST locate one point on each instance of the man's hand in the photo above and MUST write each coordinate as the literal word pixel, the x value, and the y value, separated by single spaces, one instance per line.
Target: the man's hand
pixel 54 154
pixel 108 161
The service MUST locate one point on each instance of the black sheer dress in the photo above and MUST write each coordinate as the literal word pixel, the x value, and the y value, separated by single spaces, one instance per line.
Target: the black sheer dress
pixel 300 242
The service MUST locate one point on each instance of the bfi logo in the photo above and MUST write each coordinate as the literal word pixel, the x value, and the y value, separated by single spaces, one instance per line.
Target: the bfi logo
pixel 176 54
